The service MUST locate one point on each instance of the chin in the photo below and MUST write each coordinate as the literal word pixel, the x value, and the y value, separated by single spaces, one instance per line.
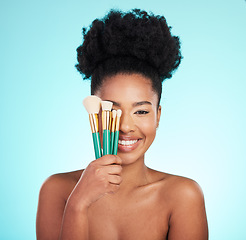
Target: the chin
pixel 130 158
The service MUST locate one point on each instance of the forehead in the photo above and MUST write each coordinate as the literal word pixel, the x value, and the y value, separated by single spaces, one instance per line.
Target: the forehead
pixel 127 87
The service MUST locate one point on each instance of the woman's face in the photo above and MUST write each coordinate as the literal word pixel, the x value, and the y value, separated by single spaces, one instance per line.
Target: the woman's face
pixel 134 95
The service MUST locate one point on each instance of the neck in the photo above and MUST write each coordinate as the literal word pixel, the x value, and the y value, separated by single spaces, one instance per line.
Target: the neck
pixel 134 175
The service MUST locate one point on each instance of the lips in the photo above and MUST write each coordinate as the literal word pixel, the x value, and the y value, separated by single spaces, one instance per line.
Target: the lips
pixel 127 144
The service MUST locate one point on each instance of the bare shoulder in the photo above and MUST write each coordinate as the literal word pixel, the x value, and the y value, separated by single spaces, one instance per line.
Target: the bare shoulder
pixel 185 201
pixel 61 183
pixel 178 188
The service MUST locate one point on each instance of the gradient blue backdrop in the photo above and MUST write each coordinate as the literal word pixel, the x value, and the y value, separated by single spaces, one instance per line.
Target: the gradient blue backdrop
pixel 45 130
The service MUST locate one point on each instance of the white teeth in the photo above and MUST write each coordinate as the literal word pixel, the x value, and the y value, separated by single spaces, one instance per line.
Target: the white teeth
pixel 127 143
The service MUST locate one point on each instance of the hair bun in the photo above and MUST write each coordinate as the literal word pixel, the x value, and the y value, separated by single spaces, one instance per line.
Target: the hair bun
pixel 134 34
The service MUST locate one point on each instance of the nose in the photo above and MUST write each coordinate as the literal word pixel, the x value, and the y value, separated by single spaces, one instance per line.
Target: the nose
pixel 126 123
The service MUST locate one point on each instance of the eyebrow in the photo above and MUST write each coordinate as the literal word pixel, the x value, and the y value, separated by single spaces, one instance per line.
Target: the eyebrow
pixel 134 104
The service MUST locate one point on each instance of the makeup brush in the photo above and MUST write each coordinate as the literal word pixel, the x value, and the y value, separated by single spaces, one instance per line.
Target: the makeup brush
pixel 117 129
pixel 112 130
pixel 106 120
pixel 92 106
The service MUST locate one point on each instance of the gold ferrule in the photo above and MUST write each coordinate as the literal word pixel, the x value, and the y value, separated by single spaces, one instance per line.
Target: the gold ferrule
pixel 106 120
pixel 113 124
pixel 117 127
pixel 93 117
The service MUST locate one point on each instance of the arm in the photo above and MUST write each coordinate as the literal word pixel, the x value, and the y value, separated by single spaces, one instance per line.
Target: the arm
pixel 51 205
pixel 188 219
pixel 75 221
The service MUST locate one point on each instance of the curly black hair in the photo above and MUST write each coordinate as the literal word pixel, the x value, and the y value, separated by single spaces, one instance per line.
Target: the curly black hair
pixel 130 42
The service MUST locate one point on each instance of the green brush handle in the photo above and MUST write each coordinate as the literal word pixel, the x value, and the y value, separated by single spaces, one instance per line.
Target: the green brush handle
pixel 106 142
pixel 112 142
pixel 97 144
pixel 116 139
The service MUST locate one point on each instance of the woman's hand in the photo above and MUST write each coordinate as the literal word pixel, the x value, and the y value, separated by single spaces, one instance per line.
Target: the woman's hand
pixel 102 176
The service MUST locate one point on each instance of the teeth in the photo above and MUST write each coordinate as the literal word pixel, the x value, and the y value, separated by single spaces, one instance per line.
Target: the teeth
pixel 127 143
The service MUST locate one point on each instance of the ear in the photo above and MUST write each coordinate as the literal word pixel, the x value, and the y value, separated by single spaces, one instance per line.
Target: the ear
pixel 158 116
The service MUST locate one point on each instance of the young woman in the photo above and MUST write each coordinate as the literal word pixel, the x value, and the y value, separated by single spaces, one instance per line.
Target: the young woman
pixel 127 56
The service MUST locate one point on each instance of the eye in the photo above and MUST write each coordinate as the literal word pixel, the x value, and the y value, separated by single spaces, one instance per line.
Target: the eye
pixel 141 112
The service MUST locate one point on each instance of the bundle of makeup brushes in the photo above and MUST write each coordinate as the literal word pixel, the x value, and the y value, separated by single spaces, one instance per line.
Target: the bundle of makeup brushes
pixel 110 125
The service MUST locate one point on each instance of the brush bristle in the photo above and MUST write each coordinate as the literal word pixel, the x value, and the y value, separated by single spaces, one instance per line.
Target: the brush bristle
pixel 119 112
pixel 114 114
pixel 106 105
pixel 92 104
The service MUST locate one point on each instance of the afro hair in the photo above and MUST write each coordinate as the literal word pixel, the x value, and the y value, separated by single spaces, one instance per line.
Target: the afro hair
pixel 133 41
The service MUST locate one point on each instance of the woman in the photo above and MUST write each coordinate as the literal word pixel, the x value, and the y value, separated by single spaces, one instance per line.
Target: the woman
pixel 127 56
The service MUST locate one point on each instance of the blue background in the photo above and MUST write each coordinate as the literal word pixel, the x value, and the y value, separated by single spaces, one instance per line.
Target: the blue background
pixel 44 128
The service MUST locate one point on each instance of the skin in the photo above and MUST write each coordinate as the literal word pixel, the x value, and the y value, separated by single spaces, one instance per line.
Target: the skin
pixel 119 197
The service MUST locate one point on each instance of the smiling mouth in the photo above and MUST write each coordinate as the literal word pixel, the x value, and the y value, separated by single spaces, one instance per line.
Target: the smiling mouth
pixel 127 142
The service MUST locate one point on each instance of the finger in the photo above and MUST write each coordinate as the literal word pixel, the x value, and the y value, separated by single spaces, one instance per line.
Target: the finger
pixel 108 160
pixel 113 188
pixel 113 169
pixel 114 179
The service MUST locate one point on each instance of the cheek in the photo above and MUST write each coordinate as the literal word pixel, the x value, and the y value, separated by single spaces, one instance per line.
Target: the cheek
pixel 148 127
